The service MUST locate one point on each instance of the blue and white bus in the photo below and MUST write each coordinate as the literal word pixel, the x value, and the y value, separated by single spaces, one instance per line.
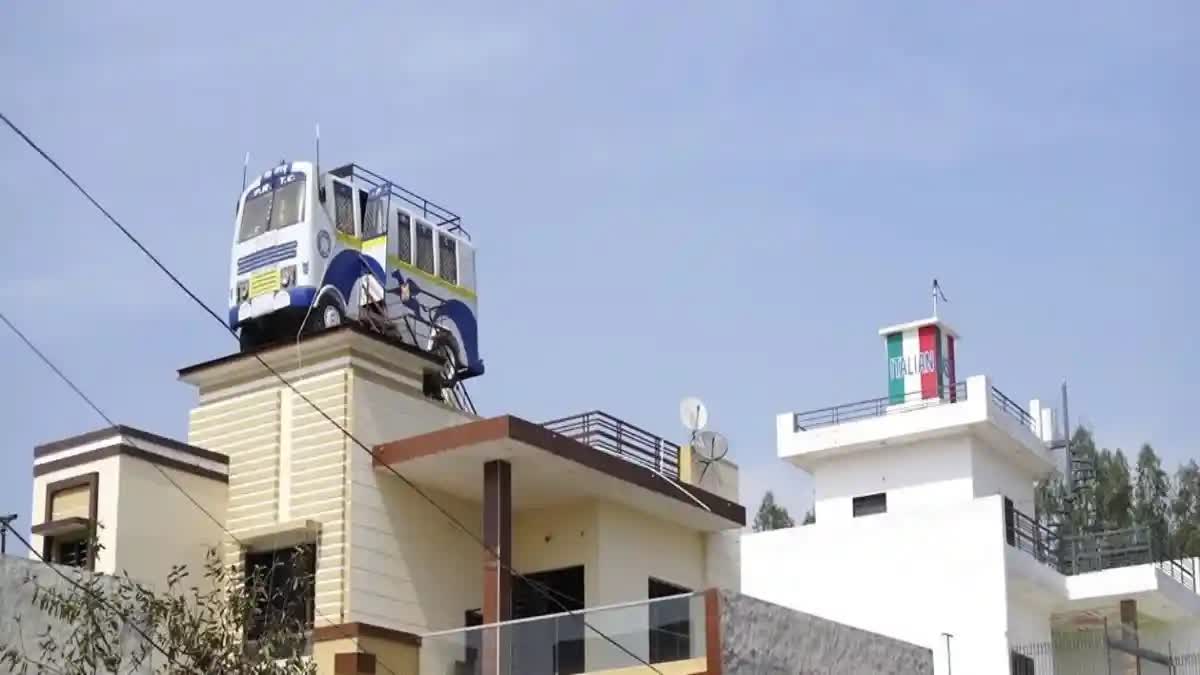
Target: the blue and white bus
pixel 311 251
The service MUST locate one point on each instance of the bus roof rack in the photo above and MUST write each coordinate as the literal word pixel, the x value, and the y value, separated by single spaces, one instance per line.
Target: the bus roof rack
pixel 441 216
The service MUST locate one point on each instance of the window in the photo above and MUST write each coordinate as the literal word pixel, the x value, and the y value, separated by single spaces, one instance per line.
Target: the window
pixel 281 583
pixel 374 220
pixel 670 623
pixel 276 204
pixel 70 552
pixel 869 505
pixel 287 208
pixel 424 247
pixel 68 521
pixel 343 208
pixel 447 258
pixel 404 236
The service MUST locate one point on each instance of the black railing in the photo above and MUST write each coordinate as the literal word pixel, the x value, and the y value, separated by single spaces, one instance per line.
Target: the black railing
pixel 1091 552
pixel 1179 571
pixel 1026 534
pixel 618 437
pixel 1010 406
pixel 444 217
pixel 876 407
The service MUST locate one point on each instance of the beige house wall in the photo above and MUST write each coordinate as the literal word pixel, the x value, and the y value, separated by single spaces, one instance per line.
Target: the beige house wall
pixel 150 509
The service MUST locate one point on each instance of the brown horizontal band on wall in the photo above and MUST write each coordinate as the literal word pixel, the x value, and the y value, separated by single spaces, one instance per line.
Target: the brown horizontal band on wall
pixel 354 663
pixel 62 528
pixel 136 434
pixel 343 631
pixel 128 450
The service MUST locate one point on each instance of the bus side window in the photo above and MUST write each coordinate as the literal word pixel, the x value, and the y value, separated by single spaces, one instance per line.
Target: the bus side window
pixel 404 237
pixel 374 220
pixel 424 247
pixel 362 208
pixel 343 208
pixel 447 258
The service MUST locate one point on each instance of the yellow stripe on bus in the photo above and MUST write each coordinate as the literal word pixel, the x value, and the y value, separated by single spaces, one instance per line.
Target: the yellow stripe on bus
pixel 395 261
pixel 349 241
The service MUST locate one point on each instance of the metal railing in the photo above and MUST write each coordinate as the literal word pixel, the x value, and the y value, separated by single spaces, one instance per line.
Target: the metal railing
pixel 1027 534
pixel 1179 571
pixel 875 407
pixel 445 218
pixel 1091 552
pixel 618 437
pixel 1012 408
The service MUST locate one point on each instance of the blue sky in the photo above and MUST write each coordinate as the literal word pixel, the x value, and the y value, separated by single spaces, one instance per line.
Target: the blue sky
pixel 717 199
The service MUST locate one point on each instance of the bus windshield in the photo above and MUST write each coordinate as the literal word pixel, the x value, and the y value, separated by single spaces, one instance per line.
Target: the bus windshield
pixel 273 206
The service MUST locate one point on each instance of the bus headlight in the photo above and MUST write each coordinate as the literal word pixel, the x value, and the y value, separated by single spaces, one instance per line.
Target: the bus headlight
pixel 243 290
pixel 287 276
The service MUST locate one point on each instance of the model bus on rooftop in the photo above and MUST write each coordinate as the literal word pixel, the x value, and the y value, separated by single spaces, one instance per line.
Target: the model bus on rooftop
pixel 313 250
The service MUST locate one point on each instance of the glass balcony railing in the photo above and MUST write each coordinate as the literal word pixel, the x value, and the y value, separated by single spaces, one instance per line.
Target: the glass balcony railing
pixel 663 630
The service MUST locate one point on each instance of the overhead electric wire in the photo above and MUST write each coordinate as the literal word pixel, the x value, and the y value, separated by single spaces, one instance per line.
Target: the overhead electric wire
pixel 95 408
pixel 345 432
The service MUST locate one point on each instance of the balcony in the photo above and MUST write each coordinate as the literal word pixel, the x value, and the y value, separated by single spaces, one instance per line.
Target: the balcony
pixel 1091 552
pixel 667 632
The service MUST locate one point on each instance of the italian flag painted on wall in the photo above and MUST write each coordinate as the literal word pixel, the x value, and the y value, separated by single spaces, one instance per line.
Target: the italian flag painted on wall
pixel 920 364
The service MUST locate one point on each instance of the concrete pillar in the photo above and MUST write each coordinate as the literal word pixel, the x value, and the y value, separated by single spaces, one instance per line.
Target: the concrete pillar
pixel 1130 664
pixel 497 581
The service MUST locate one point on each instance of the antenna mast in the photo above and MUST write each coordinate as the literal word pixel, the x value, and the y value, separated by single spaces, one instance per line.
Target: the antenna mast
pixel 937 295
pixel 245 166
pixel 318 171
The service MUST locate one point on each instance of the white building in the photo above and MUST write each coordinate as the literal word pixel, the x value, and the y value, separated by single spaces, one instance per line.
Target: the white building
pixel 925 532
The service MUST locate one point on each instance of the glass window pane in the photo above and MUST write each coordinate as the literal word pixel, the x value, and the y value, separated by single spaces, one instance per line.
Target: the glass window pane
pixel 447 258
pixel 424 247
pixel 343 208
pixel 374 220
pixel 255 212
pixel 404 236
pixel 288 208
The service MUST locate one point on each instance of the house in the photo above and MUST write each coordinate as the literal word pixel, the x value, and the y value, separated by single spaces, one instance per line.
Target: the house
pixel 430 540
pixel 925 531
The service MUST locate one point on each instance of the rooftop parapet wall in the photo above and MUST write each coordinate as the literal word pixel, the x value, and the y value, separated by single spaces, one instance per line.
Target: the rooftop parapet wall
pixel 977 408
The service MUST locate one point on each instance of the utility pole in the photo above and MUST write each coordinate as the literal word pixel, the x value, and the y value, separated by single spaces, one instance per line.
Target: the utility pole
pixel 5 523
pixel 949 667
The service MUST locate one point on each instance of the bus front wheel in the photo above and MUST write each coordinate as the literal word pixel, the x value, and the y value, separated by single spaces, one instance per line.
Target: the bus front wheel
pixel 327 314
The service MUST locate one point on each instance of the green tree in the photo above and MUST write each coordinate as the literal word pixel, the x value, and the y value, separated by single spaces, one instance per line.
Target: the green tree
pixel 810 517
pixel 1114 491
pixel 109 622
pixel 1185 511
pixel 1151 496
pixel 771 516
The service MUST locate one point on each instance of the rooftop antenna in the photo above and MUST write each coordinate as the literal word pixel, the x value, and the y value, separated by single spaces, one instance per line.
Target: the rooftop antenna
pixel 693 414
pixel 937 294
pixel 318 172
pixel 710 447
pixel 245 167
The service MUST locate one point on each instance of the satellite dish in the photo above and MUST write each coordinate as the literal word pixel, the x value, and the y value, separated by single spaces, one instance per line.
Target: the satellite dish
pixel 693 414
pixel 710 446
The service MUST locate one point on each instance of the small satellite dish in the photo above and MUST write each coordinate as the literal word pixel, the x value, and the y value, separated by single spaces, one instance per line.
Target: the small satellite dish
pixel 710 446
pixel 693 414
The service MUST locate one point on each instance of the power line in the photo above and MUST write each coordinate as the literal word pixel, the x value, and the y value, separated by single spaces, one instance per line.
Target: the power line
pixel 95 408
pixel 137 629
pixel 345 432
